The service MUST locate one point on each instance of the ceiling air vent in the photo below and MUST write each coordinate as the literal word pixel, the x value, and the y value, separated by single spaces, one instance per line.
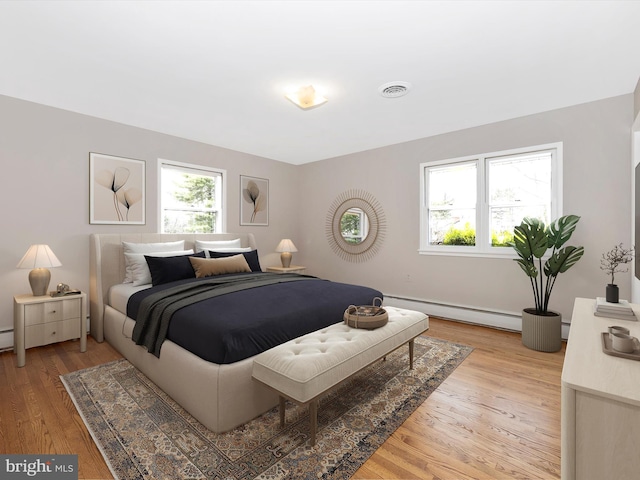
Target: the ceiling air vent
pixel 394 89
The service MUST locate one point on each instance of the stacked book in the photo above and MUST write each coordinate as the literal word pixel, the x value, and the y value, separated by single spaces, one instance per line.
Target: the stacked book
pixel 621 310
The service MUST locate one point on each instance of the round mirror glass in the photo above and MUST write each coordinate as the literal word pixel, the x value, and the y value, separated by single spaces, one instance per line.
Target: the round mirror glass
pixel 354 226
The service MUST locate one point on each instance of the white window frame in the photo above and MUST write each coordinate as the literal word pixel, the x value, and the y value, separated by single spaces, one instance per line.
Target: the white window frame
pixel 222 222
pixel 364 224
pixel 483 246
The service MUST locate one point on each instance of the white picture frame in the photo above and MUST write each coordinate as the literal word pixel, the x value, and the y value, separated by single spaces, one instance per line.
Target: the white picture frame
pixel 116 190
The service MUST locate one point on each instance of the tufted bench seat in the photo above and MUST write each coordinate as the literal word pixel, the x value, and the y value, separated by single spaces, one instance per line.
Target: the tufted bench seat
pixel 304 369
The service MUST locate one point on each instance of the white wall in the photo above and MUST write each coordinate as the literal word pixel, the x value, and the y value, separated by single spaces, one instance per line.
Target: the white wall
pixel 44 190
pixel 596 139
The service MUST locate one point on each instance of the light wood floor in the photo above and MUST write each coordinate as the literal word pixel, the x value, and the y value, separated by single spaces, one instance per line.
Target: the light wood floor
pixel 496 416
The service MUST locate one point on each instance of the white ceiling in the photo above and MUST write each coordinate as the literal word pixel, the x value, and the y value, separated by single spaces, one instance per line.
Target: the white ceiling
pixel 217 71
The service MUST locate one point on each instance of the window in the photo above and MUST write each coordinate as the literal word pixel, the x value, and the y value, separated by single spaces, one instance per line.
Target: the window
pixel 452 203
pixel 354 226
pixel 191 198
pixel 470 205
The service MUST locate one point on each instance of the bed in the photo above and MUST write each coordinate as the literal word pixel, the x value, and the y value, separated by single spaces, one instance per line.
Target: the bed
pixel 219 395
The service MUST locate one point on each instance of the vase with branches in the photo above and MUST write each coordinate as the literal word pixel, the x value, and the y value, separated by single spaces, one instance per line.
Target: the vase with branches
pixel 613 262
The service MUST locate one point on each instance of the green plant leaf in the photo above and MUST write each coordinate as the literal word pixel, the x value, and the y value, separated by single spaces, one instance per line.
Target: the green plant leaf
pixel 562 260
pixel 530 239
pixel 561 230
pixel 528 267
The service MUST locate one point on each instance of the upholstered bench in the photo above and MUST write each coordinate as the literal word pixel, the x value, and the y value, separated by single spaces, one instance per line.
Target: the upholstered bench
pixel 304 369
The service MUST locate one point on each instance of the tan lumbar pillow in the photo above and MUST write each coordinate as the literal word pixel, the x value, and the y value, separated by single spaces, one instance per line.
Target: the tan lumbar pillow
pixel 207 267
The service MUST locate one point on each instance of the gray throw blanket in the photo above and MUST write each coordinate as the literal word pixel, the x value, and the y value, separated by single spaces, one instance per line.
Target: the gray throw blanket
pixel 156 310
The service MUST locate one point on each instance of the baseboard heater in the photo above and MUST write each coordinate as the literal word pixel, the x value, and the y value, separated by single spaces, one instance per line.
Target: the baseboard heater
pixel 6 339
pixel 510 321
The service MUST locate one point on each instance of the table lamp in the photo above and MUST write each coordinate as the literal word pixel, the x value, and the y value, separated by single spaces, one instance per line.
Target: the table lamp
pixel 285 247
pixel 39 258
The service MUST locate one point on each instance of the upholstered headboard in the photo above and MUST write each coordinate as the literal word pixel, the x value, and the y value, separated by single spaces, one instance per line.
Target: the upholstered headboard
pixel 107 263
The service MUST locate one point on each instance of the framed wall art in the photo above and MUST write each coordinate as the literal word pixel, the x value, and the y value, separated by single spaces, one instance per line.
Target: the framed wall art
pixel 116 190
pixel 254 201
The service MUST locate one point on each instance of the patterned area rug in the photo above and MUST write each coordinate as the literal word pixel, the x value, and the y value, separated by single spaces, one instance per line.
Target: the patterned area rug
pixel 144 434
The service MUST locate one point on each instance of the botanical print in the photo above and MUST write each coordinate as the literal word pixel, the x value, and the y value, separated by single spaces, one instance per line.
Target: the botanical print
pixel 116 190
pixel 254 202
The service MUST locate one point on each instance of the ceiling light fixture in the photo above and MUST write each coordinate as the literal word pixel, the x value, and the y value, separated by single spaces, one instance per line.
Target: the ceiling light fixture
pixel 306 97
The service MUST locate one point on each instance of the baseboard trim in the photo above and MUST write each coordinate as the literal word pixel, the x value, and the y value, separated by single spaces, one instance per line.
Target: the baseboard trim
pixel 510 321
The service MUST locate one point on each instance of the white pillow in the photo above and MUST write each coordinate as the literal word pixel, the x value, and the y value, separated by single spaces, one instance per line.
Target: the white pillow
pixel 130 247
pixel 215 244
pixel 140 274
pixel 239 250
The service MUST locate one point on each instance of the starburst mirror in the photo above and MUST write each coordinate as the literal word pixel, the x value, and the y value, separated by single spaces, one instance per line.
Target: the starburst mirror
pixel 355 225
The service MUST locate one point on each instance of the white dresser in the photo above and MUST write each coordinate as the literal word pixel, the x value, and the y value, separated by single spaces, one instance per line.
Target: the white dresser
pixel 600 402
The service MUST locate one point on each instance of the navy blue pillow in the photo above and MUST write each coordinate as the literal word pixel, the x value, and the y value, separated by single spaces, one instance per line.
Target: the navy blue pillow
pixel 170 269
pixel 251 258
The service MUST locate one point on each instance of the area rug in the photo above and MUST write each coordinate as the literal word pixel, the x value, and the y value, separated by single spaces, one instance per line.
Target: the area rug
pixel 143 434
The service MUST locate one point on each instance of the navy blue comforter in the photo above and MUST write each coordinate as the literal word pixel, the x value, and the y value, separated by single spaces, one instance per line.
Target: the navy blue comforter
pixel 239 325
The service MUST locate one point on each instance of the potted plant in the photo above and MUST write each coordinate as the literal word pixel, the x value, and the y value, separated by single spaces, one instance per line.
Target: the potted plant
pixel 542 328
pixel 611 263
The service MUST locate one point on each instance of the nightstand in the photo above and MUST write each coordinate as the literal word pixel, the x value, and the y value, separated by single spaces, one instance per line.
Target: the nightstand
pixel 43 320
pixel 291 269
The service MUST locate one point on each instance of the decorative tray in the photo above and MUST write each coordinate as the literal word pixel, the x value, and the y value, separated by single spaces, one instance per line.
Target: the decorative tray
pixel 608 349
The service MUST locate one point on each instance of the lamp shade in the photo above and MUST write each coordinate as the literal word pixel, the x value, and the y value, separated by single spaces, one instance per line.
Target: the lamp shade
pixel 286 245
pixel 39 256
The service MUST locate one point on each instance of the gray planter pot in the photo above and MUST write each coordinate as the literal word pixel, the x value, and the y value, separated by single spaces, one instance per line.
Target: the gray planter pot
pixel 541 332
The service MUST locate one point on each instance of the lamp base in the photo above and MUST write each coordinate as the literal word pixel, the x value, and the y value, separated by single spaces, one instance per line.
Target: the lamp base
pixel 39 279
pixel 285 258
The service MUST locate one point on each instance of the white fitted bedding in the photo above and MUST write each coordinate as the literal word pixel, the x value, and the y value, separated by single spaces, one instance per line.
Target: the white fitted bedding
pixel 119 295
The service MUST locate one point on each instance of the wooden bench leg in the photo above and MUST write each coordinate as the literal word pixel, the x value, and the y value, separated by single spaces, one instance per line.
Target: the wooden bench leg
pixel 313 419
pixel 411 354
pixel 282 408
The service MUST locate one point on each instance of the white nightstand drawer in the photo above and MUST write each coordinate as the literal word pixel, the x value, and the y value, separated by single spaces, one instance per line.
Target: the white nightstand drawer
pixel 71 307
pixel 51 332
pixel 55 311
pixel 42 312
